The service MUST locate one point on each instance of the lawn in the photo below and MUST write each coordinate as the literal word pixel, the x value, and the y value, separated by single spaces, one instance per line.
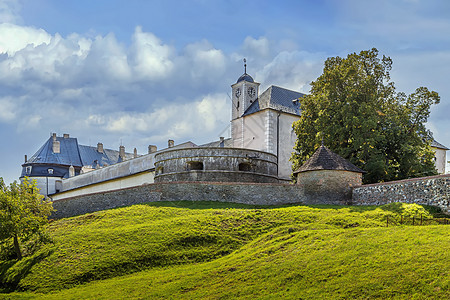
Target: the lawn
pixel 213 250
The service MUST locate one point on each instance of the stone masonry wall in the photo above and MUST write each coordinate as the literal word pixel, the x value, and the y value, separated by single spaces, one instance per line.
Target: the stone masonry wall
pixel 247 193
pixel 428 190
pixel 432 190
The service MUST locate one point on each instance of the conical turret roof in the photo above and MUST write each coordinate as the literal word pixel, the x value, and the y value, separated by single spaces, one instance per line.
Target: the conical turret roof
pixel 325 159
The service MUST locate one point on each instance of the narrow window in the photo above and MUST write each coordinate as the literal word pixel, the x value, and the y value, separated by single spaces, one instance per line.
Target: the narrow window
pixel 159 171
pixel 194 165
pixel 245 167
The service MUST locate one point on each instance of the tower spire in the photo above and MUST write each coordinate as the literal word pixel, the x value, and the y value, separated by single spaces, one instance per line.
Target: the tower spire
pixel 245 66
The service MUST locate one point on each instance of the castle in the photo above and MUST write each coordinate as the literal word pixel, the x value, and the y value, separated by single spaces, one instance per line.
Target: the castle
pixel 256 157
pixel 262 139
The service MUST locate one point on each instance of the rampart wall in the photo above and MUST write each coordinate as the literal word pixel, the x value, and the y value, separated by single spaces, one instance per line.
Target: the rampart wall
pixel 427 190
pixel 247 193
pixel 433 190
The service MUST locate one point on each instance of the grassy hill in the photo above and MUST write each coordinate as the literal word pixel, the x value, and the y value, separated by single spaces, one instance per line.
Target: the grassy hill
pixel 212 250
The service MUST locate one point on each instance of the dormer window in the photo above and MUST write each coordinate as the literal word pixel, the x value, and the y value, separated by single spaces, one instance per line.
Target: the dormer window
pixel 28 169
pixel 50 171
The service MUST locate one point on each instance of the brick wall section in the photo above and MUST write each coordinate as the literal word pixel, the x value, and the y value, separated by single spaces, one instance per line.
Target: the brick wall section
pixel 432 190
pixel 247 193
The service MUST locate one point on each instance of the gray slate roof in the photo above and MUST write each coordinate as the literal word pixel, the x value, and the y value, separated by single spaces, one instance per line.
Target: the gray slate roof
pixel 73 154
pixel 438 145
pixel 277 98
pixel 325 159
pixel 68 155
pixel 245 77
pixel 227 143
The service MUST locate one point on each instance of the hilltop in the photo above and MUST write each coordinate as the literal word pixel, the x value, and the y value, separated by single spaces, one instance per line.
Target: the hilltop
pixel 211 250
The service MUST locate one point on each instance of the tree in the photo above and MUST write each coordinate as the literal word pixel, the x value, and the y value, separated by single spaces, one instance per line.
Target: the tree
pixel 23 212
pixel 357 112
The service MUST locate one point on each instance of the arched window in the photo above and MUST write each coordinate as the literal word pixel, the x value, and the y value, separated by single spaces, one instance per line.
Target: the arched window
pixel 194 165
pixel 245 167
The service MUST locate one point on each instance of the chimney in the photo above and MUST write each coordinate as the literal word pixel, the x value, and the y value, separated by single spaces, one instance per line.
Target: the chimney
pixel 71 171
pixel 100 148
pixel 152 149
pixel 54 136
pixel 171 143
pixel 56 147
pixel 66 135
pixel 122 152
pixel 135 153
pixel 26 158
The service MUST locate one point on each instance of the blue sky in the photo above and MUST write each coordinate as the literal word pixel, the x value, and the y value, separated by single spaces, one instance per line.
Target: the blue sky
pixel 141 72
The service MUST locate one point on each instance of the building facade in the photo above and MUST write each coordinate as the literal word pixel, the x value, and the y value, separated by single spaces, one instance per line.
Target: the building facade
pixel 264 122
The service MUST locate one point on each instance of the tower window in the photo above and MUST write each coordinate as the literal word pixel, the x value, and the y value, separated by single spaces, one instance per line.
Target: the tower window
pixel 245 167
pixel 194 165
pixel 159 170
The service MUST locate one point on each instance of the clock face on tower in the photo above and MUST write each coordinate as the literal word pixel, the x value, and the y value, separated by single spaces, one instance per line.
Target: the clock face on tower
pixel 251 92
pixel 238 92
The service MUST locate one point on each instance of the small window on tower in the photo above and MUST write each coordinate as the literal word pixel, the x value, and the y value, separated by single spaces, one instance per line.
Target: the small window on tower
pixel 237 105
pixel 194 165
pixel 50 171
pixel 245 166
pixel 159 171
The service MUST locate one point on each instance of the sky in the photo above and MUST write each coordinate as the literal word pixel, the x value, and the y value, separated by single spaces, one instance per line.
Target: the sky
pixel 139 72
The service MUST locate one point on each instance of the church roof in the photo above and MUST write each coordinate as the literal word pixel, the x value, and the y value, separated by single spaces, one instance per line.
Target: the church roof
pixel 277 98
pixel 325 159
pixel 245 77
pixel 435 144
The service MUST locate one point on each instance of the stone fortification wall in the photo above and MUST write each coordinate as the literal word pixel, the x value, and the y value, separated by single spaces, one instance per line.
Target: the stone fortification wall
pixel 329 185
pixel 216 165
pixel 432 190
pixel 247 193
pixel 119 170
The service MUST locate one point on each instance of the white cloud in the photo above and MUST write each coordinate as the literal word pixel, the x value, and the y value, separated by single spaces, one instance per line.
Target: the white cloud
pixel 9 11
pixel 149 57
pixel 195 120
pixel 257 47
pixel 7 111
pixel 14 38
pixel 294 70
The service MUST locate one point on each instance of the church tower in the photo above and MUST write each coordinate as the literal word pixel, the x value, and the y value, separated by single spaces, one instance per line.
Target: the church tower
pixel 244 92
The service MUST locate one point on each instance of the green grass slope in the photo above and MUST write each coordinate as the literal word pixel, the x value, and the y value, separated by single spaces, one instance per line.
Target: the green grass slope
pixel 198 252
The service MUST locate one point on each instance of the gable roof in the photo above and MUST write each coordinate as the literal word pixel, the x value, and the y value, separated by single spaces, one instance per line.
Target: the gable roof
pixel 277 98
pixel 435 144
pixel 325 159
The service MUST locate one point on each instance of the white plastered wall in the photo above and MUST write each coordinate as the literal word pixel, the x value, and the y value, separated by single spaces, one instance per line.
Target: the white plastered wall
pixel 259 131
pixel 440 159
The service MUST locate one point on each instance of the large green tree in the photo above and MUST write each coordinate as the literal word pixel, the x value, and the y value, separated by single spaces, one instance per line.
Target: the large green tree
pixel 354 107
pixel 23 212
